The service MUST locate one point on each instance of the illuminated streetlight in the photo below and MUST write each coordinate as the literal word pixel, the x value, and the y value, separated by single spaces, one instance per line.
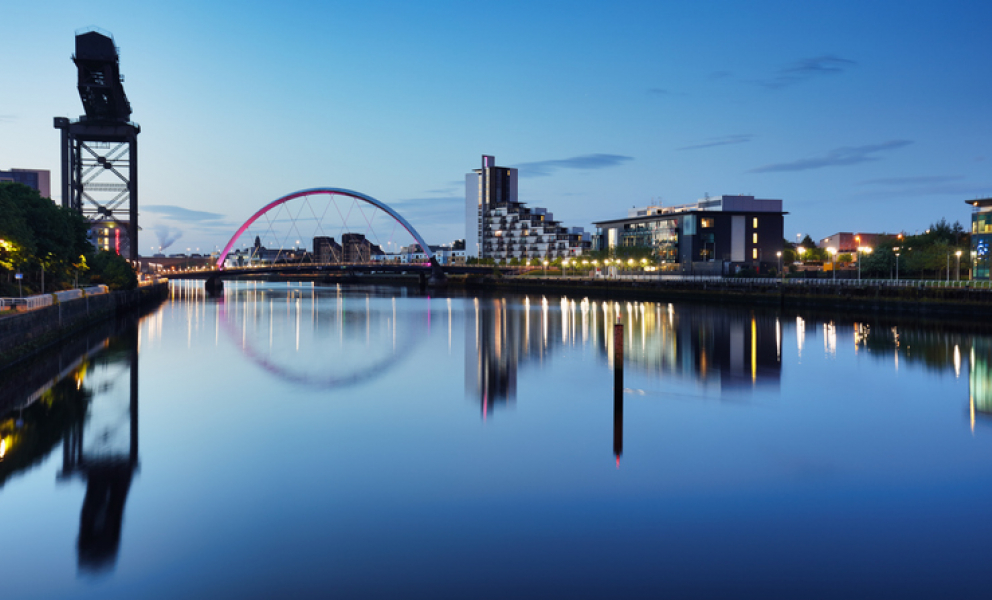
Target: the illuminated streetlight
pixel 779 255
pixel 862 250
pixel 957 275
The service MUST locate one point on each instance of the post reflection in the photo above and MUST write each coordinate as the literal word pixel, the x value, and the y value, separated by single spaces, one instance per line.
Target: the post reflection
pixel 734 350
pixel 85 395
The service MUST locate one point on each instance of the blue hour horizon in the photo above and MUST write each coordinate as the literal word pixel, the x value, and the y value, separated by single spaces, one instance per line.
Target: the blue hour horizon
pixel 860 118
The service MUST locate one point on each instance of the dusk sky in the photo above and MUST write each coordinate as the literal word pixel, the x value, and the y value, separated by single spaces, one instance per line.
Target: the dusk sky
pixel 861 116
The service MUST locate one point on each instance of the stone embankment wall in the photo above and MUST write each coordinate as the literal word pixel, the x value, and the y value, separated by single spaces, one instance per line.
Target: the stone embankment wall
pixel 850 296
pixel 23 334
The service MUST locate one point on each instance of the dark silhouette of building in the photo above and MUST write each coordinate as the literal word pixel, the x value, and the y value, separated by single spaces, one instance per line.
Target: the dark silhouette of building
pixel 326 250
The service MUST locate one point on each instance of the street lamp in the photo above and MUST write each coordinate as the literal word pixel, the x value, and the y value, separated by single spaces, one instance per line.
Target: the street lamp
pixel 897 262
pixel 545 268
pixel 779 255
pixel 957 273
pixel 862 250
pixel 833 260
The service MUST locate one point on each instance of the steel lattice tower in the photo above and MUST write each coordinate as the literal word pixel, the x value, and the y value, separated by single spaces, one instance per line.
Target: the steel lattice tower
pixel 100 149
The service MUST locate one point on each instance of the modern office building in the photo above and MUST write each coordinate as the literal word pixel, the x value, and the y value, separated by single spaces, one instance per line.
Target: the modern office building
pixel 33 178
pixel 500 227
pixel 111 236
pixel 981 235
pixel 713 236
pixel 847 242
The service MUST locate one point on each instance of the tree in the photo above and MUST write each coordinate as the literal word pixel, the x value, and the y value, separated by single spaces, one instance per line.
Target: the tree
pixel 38 234
pixel 113 270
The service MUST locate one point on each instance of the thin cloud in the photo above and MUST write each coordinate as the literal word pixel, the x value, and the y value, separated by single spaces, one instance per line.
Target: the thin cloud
pixel 178 213
pixel 658 91
pixel 839 157
pixel 720 141
pixel 720 74
pixel 587 162
pixel 808 68
pixel 8 118
pixel 921 180
pixel 923 185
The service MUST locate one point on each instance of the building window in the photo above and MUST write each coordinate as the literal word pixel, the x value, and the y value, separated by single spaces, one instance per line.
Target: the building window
pixel 706 223
pixel 754 253
pixel 754 238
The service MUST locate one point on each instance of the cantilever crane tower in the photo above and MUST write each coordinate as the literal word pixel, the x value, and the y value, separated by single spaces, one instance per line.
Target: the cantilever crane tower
pixel 100 149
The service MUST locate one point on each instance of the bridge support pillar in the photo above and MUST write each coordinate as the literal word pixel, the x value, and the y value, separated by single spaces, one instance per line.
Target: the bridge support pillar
pixel 214 285
pixel 437 278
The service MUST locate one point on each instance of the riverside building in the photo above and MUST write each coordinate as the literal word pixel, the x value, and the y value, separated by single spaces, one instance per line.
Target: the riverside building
pixel 36 179
pixel 981 236
pixel 714 236
pixel 500 227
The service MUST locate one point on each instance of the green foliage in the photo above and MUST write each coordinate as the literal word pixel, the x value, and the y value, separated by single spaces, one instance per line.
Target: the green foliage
pixel 39 235
pixel 113 270
pixel 845 258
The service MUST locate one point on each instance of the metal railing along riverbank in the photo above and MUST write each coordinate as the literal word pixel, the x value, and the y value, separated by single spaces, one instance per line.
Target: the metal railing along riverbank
pixel 43 300
pixel 764 281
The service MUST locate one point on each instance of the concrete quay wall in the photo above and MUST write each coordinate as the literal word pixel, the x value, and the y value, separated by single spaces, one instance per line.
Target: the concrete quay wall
pixel 25 333
pixel 856 297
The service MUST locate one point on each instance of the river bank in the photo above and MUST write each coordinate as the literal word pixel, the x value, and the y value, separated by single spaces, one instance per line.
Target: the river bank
pixel 854 296
pixel 24 334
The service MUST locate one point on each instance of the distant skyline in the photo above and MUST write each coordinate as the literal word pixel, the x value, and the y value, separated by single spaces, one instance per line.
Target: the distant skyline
pixel 859 116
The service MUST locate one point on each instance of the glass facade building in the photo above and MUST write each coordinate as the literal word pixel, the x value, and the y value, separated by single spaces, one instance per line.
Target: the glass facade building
pixel 981 237
pixel 713 236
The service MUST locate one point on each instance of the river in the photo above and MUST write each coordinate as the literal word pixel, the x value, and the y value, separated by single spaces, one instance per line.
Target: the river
pixel 292 440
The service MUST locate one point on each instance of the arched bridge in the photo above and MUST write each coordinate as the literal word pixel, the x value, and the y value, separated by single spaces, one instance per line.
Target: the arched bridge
pixel 306 213
pixel 325 192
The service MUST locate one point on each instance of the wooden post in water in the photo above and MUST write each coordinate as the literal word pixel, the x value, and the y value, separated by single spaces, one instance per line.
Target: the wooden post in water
pixel 618 391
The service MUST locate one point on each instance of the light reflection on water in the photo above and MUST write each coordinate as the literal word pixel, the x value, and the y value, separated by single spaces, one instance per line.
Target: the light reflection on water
pixel 366 441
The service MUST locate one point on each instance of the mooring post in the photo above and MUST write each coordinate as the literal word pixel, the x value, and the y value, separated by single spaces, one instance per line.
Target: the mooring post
pixel 618 391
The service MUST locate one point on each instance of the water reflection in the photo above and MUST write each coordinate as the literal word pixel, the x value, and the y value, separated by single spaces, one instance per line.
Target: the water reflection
pixel 729 349
pixel 84 394
pixel 327 330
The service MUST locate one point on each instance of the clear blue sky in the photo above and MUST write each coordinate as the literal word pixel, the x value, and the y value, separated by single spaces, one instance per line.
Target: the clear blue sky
pixel 870 116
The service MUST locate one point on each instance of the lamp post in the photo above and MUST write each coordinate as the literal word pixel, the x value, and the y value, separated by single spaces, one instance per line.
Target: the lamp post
pixel 897 265
pixel 833 260
pixel 545 267
pixel 957 269
pixel 947 274
pixel 862 250
pixel 779 255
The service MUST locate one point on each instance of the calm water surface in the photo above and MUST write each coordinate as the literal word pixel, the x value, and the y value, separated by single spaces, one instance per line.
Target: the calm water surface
pixel 300 441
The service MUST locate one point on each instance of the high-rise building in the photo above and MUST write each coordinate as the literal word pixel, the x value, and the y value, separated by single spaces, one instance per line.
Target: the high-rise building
pixel 500 227
pixel 33 178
